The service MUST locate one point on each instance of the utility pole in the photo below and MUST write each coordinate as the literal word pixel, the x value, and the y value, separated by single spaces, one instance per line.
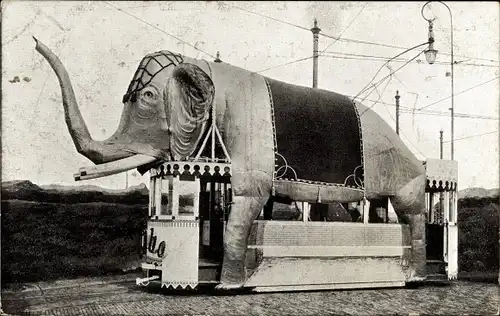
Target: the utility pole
pixel 441 144
pixel 315 30
pixel 397 111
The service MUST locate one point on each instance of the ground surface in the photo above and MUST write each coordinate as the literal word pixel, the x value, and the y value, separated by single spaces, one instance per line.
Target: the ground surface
pixel 118 295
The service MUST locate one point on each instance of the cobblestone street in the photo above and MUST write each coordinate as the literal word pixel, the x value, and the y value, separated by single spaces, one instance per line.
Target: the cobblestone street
pixel 119 295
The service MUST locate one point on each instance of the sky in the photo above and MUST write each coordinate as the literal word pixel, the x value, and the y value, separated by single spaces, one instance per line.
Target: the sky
pixel 101 44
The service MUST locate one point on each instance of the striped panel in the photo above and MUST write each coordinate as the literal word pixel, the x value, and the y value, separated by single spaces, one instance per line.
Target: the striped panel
pixel 174 223
pixel 330 251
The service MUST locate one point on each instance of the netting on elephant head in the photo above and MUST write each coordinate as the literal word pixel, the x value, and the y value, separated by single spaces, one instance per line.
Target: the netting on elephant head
pixel 149 67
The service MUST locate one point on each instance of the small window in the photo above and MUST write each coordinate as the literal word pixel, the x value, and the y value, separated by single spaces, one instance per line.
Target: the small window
pixel 187 196
pixel 166 196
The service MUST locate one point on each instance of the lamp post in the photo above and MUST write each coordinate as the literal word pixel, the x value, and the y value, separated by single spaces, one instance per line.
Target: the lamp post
pixel 397 97
pixel 430 56
pixel 315 30
pixel 441 144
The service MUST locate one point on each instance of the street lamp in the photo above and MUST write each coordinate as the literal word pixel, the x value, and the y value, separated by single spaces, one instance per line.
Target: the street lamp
pixel 431 53
pixel 430 56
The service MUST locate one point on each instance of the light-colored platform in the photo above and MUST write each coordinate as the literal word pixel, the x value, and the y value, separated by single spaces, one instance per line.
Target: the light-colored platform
pixel 297 256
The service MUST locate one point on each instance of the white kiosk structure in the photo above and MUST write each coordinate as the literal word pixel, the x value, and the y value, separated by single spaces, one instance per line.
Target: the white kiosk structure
pixel 441 229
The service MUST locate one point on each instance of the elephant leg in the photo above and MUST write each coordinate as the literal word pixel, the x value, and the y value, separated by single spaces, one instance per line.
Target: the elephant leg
pixel 243 212
pixel 409 205
pixel 418 252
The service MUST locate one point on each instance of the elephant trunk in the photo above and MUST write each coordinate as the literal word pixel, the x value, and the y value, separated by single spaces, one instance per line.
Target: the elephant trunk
pixel 96 151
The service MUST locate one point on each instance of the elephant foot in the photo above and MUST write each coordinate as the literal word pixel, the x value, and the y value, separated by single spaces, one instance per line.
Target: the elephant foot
pixel 233 274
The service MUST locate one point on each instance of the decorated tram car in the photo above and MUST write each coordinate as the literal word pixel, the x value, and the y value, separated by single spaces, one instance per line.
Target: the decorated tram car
pixel 310 150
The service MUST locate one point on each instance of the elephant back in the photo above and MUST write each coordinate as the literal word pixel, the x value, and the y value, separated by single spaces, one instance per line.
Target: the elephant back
pixel 389 163
pixel 317 132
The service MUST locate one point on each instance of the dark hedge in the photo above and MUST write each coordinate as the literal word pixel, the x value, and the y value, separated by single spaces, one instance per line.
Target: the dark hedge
pixel 43 241
pixel 51 234
pixel 478 234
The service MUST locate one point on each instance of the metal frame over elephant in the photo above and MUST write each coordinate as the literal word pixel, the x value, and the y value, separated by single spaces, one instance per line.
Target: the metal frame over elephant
pixel 303 143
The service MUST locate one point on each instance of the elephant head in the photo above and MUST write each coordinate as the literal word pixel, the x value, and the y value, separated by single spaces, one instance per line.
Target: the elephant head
pixel 166 108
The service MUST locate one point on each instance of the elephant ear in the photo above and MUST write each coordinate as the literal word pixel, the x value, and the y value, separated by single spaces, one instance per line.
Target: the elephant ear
pixel 190 97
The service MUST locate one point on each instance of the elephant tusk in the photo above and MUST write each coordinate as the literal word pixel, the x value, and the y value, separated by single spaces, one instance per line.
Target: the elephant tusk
pixel 114 167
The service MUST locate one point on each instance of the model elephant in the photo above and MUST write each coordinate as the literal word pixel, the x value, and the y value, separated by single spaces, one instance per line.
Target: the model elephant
pixel 323 137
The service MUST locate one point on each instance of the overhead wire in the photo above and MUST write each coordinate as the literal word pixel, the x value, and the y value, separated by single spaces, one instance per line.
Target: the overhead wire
pixel 397 78
pixel 456 115
pixel 448 97
pixel 413 111
pixel 338 38
pixel 374 87
pixel 302 28
pixel 459 115
pixel 471 136
pixel 350 56
pixel 306 58
pixel 349 25
pixel 381 67
pixel 391 73
pixel 392 117
pixel 285 64
pixel 406 137
pixel 405 109
pixel 422 112
pixel 159 29
pixel 380 94
pixel 402 133
pixel 409 110
pixel 267 17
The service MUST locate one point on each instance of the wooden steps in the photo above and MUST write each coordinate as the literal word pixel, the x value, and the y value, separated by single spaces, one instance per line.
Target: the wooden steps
pixel 208 271
pixel 436 267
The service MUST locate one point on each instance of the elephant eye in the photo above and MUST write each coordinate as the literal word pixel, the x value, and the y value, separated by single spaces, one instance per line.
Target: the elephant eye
pixel 149 95
pixel 147 105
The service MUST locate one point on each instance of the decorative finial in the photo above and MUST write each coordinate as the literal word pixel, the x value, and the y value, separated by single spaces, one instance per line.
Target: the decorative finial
pixel 315 29
pixel 217 59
